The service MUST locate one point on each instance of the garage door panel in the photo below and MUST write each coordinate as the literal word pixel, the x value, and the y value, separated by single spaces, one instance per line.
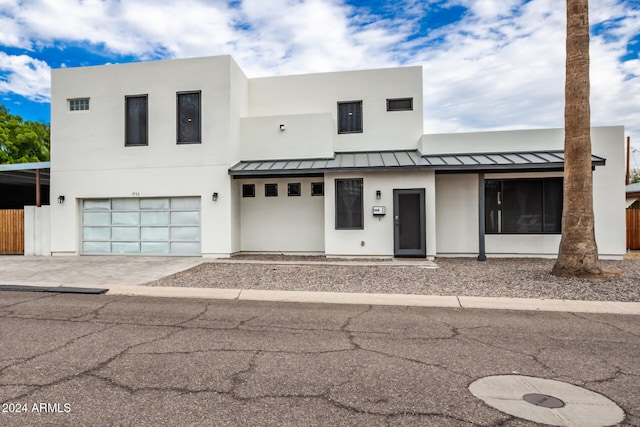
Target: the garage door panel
pixel 184 248
pixel 159 226
pixel 96 218
pixel 154 218
pixel 185 204
pixel 125 233
pixel 185 233
pixel 125 204
pixel 185 218
pixel 158 204
pixel 154 248
pixel 97 204
pixel 125 248
pixel 96 247
pixel 96 233
pixel 154 233
pixel 125 218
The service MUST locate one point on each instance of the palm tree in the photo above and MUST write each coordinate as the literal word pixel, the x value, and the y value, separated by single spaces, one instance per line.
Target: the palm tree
pixel 578 253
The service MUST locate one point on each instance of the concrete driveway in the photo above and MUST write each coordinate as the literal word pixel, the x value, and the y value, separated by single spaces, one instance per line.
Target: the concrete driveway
pixel 90 270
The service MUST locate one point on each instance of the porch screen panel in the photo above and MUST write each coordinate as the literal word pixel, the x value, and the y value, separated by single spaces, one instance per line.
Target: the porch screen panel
pixel 409 206
pixel 553 205
pixel 522 206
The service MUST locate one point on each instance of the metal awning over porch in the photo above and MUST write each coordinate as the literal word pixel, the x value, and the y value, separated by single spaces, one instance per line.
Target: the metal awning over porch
pixel 378 161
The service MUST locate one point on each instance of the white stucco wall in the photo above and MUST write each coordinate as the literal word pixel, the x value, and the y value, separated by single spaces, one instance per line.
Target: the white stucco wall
pixel 304 136
pixel 89 158
pixel 282 224
pixel 320 93
pixel 456 214
pixel 240 121
pixel 457 195
pixel 37 231
pixel 377 234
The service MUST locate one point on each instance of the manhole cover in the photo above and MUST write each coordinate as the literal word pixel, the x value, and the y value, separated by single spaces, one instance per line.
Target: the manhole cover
pixel 543 400
pixel 547 401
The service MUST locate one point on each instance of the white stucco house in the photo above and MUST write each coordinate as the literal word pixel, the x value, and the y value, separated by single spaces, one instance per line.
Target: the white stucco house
pixel 191 157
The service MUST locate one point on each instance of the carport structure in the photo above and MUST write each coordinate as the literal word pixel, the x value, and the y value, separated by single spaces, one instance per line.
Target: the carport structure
pixel 20 184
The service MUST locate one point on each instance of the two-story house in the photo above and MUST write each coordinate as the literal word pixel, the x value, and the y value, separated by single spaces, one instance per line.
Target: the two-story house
pixel 191 157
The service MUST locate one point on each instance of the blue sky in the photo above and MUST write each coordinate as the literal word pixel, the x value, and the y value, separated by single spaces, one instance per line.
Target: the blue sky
pixel 488 64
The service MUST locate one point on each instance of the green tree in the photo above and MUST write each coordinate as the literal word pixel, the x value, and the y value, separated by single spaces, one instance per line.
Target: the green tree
pixel 22 141
pixel 578 252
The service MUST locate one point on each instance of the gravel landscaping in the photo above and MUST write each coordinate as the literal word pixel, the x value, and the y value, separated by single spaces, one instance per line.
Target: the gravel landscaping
pixel 499 277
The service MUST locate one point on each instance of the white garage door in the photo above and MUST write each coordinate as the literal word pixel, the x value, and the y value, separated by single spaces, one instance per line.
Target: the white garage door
pixel 148 226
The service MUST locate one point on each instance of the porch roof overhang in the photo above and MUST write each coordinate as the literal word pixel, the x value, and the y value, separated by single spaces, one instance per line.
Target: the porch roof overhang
pixel 24 173
pixel 403 160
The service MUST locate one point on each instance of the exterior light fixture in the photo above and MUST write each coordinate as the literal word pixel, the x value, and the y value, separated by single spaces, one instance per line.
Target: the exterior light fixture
pixel 282 126
pixel 60 199
pixel 378 194
pixel 214 197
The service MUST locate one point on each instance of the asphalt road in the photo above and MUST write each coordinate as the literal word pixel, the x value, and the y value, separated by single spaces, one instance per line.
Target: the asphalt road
pixel 116 360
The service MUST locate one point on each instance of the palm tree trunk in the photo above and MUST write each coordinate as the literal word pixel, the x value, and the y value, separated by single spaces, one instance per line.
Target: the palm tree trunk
pixel 578 252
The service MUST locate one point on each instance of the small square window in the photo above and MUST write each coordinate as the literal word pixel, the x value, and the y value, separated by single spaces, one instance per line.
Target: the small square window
pixel 79 104
pixel 271 190
pixel 248 190
pixel 293 189
pixel 317 188
pixel 400 104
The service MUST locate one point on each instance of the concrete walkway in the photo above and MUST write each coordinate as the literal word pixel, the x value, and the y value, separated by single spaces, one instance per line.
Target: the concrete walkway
pixel 126 276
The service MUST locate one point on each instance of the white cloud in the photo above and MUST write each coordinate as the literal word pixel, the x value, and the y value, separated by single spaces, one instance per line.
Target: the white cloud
pixel 500 66
pixel 25 76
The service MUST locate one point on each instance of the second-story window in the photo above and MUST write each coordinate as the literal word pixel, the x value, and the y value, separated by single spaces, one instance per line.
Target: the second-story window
pixel 136 121
pixel 350 117
pixel 400 104
pixel 79 104
pixel 188 126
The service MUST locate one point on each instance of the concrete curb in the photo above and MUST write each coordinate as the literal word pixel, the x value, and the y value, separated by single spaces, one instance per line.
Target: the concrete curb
pixel 465 302
pixel 492 303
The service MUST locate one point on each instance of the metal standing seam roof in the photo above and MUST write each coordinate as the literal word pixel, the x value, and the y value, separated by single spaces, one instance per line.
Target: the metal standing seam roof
pixel 407 160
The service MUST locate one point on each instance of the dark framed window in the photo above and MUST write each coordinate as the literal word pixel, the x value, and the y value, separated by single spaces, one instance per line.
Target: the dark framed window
pixel 400 104
pixel 136 121
pixel 248 190
pixel 349 206
pixel 79 104
pixel 188 126
pixel 350 117
pixel 293 189
pixel 271 190
pixel 523 206
pixel 317 188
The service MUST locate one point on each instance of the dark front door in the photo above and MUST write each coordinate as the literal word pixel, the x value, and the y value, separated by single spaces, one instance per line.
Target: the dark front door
pixel 409 223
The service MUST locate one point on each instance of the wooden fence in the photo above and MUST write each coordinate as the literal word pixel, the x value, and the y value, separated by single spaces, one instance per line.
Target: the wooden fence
pixel 12 232
pixel 633 229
